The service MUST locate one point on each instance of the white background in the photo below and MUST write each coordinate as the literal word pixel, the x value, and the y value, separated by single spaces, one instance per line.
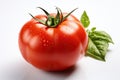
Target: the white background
pixel 104 14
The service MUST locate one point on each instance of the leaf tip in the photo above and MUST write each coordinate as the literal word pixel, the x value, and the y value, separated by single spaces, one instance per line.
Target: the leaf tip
pixel 103 59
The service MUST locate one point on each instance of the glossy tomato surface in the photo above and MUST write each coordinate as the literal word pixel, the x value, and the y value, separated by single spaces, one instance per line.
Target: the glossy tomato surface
pixel 53 49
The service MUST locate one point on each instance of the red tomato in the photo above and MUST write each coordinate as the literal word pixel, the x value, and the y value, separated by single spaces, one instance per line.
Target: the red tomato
pixel 53 49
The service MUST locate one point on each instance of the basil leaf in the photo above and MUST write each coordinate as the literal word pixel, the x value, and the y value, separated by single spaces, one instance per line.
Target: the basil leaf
pixel 100 35
pixel 85 19
pixel 98 44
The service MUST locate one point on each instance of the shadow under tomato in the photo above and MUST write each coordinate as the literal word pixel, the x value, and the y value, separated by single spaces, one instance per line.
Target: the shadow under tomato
pixel 66 72
pixel 21 70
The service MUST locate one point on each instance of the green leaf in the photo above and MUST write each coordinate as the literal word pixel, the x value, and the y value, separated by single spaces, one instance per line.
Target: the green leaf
pixel 98 44
pixel 85 19
pixel 101 35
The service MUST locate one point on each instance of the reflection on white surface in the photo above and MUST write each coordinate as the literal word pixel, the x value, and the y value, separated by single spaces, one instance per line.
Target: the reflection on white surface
pixel 85 69
pixel 24 71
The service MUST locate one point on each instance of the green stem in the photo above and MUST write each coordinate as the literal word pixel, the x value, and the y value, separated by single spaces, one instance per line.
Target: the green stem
pixel 52 21
pixel 68 14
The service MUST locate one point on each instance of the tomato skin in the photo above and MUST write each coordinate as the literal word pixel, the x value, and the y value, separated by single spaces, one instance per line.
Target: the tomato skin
pixel 53 49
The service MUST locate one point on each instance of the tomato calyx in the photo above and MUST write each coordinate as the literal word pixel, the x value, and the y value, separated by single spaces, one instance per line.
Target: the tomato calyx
pixel 52 21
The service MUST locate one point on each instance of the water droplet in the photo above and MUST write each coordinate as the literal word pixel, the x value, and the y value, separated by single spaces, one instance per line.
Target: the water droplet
pixel 45 45
pixel 47 41
pixel 44 40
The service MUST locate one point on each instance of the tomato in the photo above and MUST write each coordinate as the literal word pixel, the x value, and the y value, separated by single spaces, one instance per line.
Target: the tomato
pixel 53 48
